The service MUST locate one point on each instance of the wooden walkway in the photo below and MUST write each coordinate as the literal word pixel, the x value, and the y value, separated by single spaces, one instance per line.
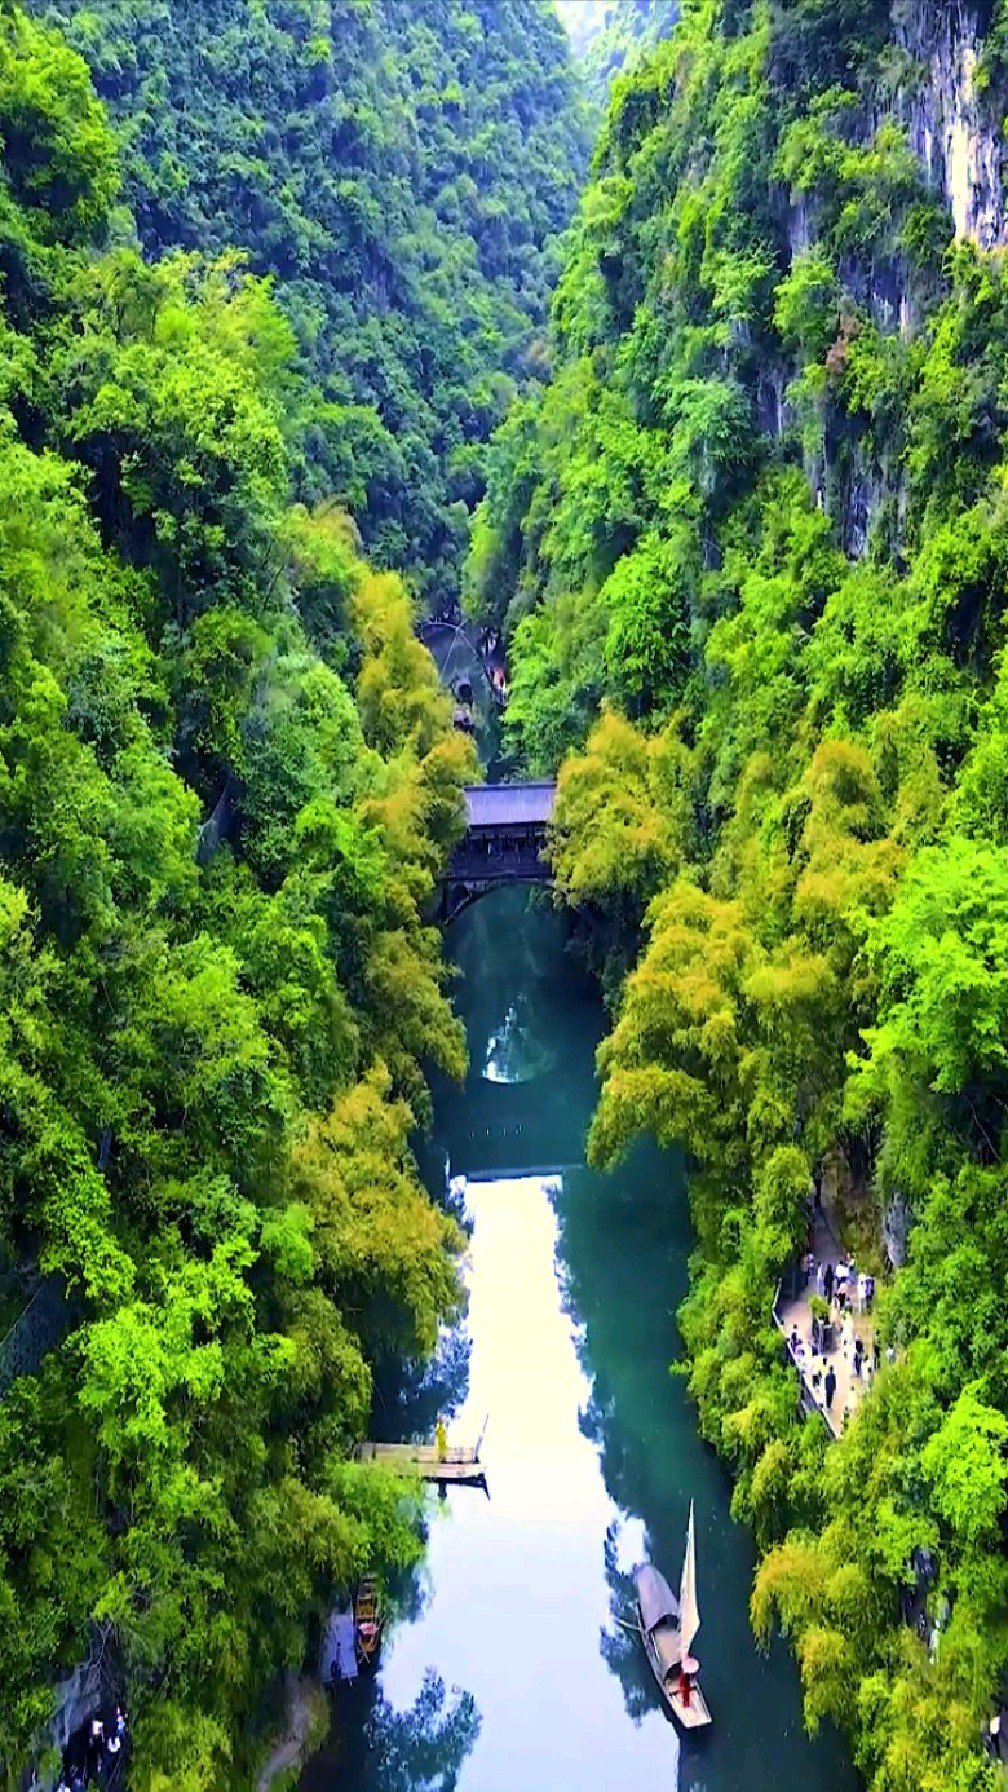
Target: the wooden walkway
pixel 459 1468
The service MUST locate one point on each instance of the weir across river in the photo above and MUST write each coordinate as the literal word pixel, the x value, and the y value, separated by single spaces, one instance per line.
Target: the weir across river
pixel 503 842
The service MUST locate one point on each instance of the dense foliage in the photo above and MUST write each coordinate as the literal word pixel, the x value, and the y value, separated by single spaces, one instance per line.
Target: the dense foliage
pixel 227 782
pixel 403 169
pixel 750 549
pixel 623 35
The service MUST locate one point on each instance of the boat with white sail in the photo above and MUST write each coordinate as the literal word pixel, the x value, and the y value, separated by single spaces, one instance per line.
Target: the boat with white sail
pixel 668 1627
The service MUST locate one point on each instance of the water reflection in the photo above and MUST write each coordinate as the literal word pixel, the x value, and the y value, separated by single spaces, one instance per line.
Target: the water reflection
pixel 623 1248
pixel 409 1400
pixel 620 1645
pixel 514 1053
pixel 517 1602
pixel 380 1749
pixel 592 1452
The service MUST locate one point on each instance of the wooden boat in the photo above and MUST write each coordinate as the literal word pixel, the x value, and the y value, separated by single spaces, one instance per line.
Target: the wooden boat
pixel 668 1626
pixel 369 1620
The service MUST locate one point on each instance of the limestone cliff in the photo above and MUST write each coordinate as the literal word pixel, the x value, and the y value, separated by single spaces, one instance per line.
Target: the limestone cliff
pixel 949 105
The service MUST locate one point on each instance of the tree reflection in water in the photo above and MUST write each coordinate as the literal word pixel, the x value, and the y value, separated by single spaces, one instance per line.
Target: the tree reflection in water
pixel 618 1275
pixel 620 1648
pixel 420 1750
pixel 620 1302
pixel 410 1397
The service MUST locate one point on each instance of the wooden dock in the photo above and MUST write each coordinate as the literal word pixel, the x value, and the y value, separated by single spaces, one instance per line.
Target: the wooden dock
pixel 458 1468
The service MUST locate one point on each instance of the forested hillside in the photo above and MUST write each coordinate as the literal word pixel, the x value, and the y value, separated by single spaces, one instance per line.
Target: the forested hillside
pixel 629 29
pixel 227 781
pixel 751 551
pixel 403 169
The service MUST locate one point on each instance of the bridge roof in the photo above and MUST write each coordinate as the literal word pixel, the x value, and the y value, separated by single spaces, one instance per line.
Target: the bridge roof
pixel 509 805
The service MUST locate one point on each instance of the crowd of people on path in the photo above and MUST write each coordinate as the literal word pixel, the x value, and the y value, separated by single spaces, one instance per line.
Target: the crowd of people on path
pixel 852 1290
pixel 95 1761
pixel 849 1294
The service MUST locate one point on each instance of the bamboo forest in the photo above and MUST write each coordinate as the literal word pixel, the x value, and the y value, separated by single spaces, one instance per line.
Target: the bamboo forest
pixel 503 895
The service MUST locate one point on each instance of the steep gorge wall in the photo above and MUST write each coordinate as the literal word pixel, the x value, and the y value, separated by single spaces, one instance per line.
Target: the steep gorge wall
pixel 946 88
pixel 951 103
pixel 953 118
pixel 789 766
pixel 403 170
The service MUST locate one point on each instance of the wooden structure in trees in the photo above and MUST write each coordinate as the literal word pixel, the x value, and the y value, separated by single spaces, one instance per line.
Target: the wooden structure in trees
pixel 455 1468
pixel 503 842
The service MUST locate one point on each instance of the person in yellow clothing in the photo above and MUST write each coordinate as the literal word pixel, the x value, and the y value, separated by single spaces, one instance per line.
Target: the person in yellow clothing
pixel 441 1437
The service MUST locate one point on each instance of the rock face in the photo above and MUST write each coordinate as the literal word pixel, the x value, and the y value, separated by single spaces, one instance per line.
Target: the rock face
pixel 896 1231
pixel 951 103
pixel 953 118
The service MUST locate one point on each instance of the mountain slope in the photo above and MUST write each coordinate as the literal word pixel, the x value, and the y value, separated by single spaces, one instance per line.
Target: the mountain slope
pixel 751 549
pixel 403 169
pixel 228 778
pixel 629 29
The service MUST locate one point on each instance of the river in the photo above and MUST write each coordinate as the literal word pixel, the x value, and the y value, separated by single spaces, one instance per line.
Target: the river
pixel 508 1670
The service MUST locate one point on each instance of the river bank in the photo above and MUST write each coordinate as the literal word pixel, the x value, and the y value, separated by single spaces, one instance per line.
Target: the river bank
pixel 307 1727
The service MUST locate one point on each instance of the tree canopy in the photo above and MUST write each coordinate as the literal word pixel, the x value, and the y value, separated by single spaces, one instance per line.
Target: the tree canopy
pixel 228 781
pixel 271 276
pixel 403 170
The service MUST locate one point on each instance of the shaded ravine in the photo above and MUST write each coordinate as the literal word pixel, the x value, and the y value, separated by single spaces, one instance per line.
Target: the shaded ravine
pixel 592 1453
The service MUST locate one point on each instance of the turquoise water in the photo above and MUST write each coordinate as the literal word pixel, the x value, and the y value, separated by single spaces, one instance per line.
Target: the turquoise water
pixel 509 1670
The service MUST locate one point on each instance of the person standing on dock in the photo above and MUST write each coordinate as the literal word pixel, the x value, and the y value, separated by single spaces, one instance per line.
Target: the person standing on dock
pixel 441 1439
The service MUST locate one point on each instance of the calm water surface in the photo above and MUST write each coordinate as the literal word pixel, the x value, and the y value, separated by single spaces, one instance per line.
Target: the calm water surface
pixel 508 1670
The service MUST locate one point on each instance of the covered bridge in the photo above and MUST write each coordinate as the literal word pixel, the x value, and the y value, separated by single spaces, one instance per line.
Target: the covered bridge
pixel 503 842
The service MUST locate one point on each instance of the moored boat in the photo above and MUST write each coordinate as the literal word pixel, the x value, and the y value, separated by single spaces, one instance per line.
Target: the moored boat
pixel 668 1627
pixel 368 1622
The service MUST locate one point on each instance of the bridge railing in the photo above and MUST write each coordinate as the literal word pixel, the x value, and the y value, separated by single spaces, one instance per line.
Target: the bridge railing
pixel 525 865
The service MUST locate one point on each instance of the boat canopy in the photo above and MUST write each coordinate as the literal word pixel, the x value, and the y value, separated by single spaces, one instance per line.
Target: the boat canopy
pixel 655 1597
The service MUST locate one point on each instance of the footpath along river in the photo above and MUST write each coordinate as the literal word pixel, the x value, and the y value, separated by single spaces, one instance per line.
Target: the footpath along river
pixel 508 1671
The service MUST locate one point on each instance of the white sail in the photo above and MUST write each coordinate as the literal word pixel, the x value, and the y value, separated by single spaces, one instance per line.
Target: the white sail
pixel 689 1615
